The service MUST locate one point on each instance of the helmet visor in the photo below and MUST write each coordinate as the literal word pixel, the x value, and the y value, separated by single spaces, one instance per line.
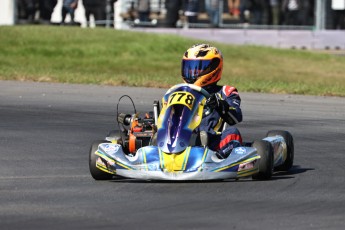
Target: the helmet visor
pixel 192 69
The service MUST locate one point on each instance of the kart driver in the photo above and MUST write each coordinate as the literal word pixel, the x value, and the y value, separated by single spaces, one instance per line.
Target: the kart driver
pixel 202 65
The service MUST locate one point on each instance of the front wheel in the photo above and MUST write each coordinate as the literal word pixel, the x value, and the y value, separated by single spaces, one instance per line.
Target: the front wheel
pixel 96 173
pixel 290 148
pixel 265 151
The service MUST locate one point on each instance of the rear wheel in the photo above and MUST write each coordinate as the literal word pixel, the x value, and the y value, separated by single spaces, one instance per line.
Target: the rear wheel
pixel 265 151
pixel 290 148
pixel 96 173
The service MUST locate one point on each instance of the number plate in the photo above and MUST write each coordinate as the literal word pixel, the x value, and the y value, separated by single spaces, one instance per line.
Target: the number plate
pixel 182 98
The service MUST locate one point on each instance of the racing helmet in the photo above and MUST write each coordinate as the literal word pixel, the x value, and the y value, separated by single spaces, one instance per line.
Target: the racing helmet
pixel 202 65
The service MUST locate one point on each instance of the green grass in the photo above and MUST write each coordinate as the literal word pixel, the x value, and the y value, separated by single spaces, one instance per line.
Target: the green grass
pixel 101 56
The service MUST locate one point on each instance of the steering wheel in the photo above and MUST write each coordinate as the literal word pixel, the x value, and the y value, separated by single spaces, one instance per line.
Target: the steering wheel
pixel 192 86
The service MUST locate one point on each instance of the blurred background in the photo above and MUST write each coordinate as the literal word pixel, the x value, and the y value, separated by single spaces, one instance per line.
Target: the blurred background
pixel 258 14
pixel 297 24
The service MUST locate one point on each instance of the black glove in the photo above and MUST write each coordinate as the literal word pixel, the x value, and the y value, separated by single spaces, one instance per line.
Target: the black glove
pixel 213 102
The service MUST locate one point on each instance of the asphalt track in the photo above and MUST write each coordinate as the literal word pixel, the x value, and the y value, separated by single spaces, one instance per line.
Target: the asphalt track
pixel 46 131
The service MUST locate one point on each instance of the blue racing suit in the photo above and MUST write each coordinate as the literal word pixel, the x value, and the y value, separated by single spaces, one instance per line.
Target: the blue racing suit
pixel 227 110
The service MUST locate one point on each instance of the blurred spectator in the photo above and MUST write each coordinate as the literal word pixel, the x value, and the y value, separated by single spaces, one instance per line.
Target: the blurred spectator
pixel 307 12
pixel 257 11
pixel 112 7
pixel 245 6
pixel 274 12
pixel 27 10
pixel 291 9
pixel 212 8
pixel 96 8
pixel 172 7
pixel 144 10
pixel 110 10
pixel 338 10
pixel 191 10
pixel 46 10
pixel 234 7
pixel 68 7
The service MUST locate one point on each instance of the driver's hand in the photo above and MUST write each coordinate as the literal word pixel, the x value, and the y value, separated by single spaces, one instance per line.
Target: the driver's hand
pixel 213 101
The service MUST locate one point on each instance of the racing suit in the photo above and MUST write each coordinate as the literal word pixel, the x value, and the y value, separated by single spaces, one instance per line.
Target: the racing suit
pixel 222 106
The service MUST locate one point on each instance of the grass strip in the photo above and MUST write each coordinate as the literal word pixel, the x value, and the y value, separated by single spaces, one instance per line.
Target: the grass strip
pixel 116 57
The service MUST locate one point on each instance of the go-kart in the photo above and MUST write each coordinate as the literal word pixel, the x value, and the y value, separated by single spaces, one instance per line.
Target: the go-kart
pixel 164 145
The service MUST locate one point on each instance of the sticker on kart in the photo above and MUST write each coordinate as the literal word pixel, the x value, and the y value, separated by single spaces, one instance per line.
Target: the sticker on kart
pixel 182 98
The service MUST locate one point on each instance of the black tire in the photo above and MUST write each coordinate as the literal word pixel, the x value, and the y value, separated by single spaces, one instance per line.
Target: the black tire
pixel 96 173
pixel 290 148
pixel 265 150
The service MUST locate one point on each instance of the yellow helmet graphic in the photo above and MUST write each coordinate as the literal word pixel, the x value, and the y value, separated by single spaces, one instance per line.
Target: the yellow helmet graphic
pixel 202 65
